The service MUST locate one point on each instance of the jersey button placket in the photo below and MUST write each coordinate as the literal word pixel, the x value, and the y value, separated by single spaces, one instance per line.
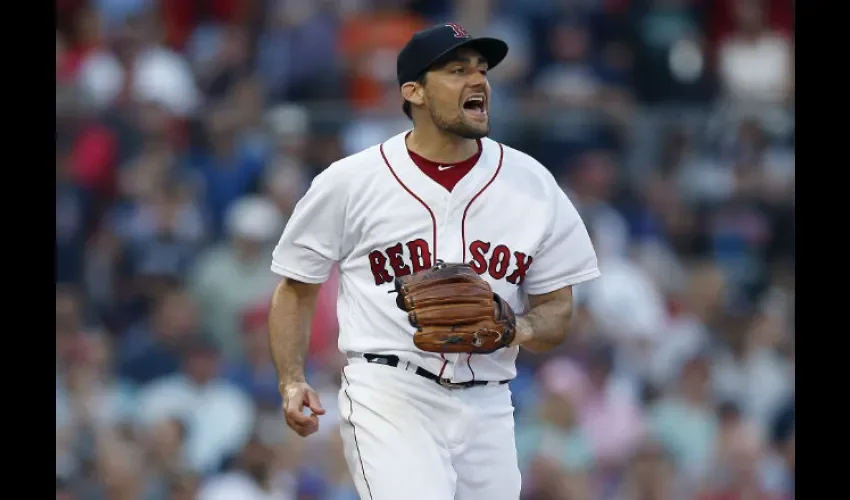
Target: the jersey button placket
pixel 453 252
pixel 445 237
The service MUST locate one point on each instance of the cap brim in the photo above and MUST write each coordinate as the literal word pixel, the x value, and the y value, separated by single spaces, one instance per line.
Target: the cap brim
pixel 493 50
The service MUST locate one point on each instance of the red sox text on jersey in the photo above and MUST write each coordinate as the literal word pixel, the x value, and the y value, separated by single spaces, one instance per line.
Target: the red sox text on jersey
pixel 402 259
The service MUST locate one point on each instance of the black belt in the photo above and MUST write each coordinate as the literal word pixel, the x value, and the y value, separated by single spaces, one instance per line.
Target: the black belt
pixel 392 360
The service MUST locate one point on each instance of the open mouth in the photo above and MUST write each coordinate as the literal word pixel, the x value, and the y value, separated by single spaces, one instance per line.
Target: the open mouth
pixel 475 105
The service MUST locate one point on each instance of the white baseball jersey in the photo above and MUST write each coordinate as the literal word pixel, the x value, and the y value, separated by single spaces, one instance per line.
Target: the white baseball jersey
pixel 378 216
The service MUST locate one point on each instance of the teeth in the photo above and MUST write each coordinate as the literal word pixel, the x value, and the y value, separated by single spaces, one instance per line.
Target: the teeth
pixel 475 103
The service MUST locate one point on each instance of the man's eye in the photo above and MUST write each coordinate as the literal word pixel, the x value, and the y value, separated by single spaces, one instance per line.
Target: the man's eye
pixel 457 70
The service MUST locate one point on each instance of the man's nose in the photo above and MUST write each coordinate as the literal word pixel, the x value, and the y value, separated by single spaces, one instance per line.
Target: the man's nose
pixel 478 79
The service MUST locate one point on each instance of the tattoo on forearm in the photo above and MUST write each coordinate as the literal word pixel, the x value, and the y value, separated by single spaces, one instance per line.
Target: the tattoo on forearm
pixel 548 323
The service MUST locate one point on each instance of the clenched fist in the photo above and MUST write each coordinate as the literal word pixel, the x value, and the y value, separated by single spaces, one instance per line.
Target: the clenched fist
pixel 297 396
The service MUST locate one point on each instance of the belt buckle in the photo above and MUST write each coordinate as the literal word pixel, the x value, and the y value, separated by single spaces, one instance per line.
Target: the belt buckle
pixel 448 384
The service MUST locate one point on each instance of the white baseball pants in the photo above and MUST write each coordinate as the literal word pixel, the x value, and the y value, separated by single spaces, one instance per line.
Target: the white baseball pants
pixel 406 437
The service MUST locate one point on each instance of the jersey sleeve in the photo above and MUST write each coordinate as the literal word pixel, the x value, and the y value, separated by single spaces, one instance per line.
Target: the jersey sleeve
pixel 312 240
pixel 565 256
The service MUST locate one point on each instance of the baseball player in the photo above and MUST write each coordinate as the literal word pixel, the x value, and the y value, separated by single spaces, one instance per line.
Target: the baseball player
pixel 454 251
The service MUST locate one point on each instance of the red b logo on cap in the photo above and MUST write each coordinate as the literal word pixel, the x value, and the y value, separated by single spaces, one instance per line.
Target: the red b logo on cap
pixel 459 31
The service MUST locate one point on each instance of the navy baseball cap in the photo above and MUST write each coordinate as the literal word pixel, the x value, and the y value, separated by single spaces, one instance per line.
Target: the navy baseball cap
pixel 429 46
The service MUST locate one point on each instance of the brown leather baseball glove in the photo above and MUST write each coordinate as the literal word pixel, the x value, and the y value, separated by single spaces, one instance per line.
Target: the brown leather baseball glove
pixel 455 310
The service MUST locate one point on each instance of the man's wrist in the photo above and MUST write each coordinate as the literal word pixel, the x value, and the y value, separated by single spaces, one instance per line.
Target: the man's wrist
pixel 523 332
pixel 292 379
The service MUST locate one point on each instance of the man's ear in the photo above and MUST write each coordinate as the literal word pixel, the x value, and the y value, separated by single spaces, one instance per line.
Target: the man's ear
pixel 413 92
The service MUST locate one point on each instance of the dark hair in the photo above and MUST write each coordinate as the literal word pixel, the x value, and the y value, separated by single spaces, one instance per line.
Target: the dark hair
pixel 406 106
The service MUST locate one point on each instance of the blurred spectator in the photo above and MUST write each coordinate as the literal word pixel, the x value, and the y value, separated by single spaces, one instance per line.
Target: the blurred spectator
pixel 121 465
pixel 287 172
pixel 778 467
pixel 755 62
pixel 590 183
pixel 181 17
pixel 672 194
pixel 627 308
pixel 610 412
pixel 63 489
pixel 737 459
pixel 752 375
pixel 90 145
pixel 255 373
pixel 296 54
pixel 229 168
pixel 229 277
pixel 575 83
pixel 246 95
pixel 762 166
pixel 88 390
pixel 145 128
pixel 149 160
pixel 220 56
pixel 375 125
pixel 90 401
pixel 154 347
pixel 369 41
pixel 651 474
pixel 109 290
pixel 112 13
pixel 687 178
pixel 150 183
pixel 166 455
pixel 163 234
pixel 551 482
pixel 137 67
pixel 73 216
pixel 779 16
pixel 671 56
pixel 218 415
pixel 252 477
pixel 77 38
pixel 72 322
pixel 744 216
pixel 694 318
pixel 685 421
pixel 555 433
pixel 182 487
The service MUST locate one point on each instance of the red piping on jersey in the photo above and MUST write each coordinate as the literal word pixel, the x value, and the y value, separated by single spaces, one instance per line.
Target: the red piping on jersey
pixel 463 228
pixel 466 210
pixel 417 198
pixel 433 226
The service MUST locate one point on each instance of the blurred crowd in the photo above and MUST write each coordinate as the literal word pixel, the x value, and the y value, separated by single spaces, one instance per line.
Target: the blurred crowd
pixel 188 129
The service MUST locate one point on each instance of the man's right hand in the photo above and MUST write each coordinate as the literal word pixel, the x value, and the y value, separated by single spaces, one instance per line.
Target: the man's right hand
pixel 297 396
